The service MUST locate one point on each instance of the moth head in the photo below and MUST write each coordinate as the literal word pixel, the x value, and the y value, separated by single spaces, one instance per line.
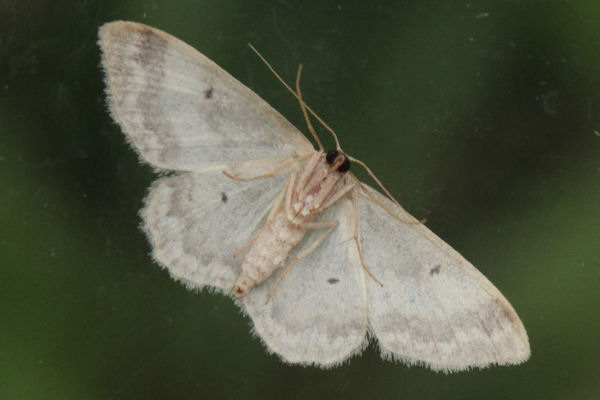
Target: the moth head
pixel 338 160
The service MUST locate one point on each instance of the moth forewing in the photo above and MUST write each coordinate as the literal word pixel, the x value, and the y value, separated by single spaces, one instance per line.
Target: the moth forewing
pixel 181 111
pixel 434 308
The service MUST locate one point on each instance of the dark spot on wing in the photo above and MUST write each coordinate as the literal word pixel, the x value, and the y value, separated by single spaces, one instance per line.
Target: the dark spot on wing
pixel 239 292
pixel 435 270
pixel 208 93
pixel 333 281
pixel 224 197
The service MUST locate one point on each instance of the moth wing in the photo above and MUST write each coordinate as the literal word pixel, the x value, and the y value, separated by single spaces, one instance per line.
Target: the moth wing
pixel 196 222
pixel 182 111
pixel 434 308
pixel 318 313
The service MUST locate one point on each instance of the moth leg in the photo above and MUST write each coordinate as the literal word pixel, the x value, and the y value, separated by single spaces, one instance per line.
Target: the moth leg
pixel 355 238
pixel 274 172
pixel 311 225
pixel 319 225
pixel 289 196
pixel 269 217
pixel 309 170
pixel 345 189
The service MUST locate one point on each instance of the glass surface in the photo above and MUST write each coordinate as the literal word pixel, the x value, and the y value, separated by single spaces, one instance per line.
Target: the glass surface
pixel 481 116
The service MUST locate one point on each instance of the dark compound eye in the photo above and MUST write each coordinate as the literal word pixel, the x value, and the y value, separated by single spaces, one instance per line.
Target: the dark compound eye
pixel 331 155
pixel 345 166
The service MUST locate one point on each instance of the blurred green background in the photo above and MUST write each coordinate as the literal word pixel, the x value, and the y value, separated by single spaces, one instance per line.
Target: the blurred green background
pixel 481 116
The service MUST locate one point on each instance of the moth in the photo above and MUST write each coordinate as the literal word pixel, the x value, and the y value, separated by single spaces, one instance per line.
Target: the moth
pixel 318 260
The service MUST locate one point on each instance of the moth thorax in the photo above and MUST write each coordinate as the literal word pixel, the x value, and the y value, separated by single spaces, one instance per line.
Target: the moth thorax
pixel 305 206
pixel 321 191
